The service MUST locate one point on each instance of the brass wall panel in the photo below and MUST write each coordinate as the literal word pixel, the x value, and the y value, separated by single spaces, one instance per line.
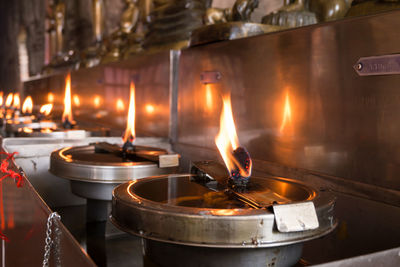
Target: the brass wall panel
pixel 341 124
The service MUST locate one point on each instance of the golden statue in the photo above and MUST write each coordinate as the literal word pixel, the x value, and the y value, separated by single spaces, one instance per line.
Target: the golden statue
pixel 59 26
pixel 361 8
pixel 230 23
pixel 301 12
pixel 241 11
pixel 124 39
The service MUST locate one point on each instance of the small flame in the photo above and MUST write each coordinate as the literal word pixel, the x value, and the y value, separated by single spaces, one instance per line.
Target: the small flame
pixel 129 134
pixel 17 101
pixel 77 101
pixel 1 98
pixel 46 109
pixel 9 99
pixel 287 113
pixel 27 130
pixel 97 101
pixel 227 140
pixel 67 115
pixel 149 109
pixel 46 130
pixel 28 105
pixel 120 106
pixel 50 97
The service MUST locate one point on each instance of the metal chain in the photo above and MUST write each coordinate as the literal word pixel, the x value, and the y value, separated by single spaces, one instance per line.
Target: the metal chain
pixel 49 243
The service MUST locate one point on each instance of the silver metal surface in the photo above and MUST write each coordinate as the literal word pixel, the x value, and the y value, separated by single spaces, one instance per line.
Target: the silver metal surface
pixel 389 257
pixel 94 175
pixel 60 134
pixel 163 254
pixel 146 208
pixel 82 163
pixel 341 124
pixel 152 74
pixel 34 158
pixel 14 128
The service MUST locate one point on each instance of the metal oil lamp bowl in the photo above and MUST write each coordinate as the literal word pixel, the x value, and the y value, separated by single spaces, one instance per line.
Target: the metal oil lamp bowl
pixel 94 173
pixel 185 223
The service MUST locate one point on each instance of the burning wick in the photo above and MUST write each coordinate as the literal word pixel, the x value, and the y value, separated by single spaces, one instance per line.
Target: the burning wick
pixel 67 120
pixel 130 135
pixel 27 106
pixel 237 159
pixel 44 111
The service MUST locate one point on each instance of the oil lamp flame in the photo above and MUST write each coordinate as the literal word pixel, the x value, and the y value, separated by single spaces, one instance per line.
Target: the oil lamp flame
pixel 46 109
pixel 129 134
pixel 287 113
pixel 67 119
pixel 50 97
pixel 236 158
pixel 1 98
pixel 27 106
pixel 77 101
pixel 9 99
pixel 120 106
pixel 17 101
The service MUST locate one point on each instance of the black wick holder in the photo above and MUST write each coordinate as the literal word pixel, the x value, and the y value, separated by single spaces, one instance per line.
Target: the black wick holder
pixel 127 148
pixel 68 125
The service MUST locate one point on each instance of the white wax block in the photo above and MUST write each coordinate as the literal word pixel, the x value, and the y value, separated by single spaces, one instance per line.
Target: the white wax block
pixel 296 217
pixel 169 160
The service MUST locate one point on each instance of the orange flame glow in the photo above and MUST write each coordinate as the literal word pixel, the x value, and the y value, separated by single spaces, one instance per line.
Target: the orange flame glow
pixel 227 140
pixel 50 97
pixel 97 101
pixel 149 109
pixel 287 113
pixel 67 114
pixel 46 109
pixel 120 106
pixel 129 134
pixel 77 101
pixel 28 105
pixel 209 97
pixel 1 98
pixel 17 101
pixel 9 99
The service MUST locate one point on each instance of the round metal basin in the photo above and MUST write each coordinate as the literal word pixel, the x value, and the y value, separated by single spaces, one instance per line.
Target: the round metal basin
pixel 94 175
pixel 177 216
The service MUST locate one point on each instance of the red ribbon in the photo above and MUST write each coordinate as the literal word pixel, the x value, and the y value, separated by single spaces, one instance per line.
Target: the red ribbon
pixel 4 168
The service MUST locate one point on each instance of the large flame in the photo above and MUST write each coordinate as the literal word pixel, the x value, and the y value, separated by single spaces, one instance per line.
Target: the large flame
pixel 9 99
pixel 46 109
pixel 129 134
pixel 1 98
pixel 77 101
pixel 67 115
pixel 17 101
pixel 120 106
pixel 50 97
pixel 287 113
pixel 28 105
pixel 227 140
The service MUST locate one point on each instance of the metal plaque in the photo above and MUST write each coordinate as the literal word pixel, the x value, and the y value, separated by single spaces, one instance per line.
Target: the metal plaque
pixel 296 217
pixel 378 65
pixel 210 77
